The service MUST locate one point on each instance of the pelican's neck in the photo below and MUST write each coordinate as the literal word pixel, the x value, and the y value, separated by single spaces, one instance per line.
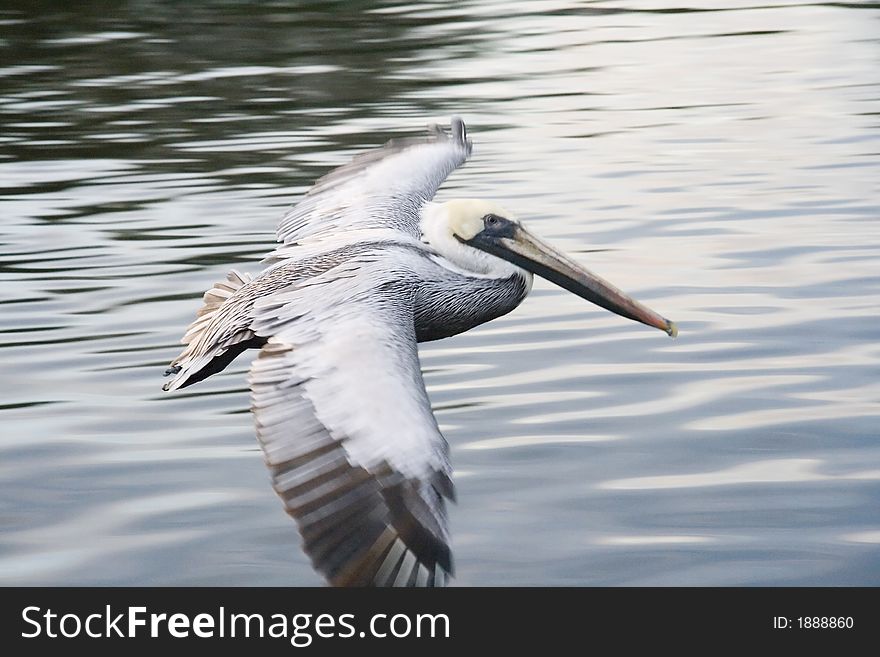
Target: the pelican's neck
pixel 437 232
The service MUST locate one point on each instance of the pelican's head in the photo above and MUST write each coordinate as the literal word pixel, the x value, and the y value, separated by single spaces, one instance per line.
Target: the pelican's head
pixel 484 238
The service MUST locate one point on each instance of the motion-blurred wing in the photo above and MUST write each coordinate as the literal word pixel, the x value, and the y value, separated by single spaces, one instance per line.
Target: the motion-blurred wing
pixel 347 430
pixel 382 188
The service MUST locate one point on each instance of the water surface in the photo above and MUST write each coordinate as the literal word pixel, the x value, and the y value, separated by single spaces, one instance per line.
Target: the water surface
pixel 721 165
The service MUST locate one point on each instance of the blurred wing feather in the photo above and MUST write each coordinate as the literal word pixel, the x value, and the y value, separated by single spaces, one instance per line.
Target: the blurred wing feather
pixel 382 188
pixel 347 429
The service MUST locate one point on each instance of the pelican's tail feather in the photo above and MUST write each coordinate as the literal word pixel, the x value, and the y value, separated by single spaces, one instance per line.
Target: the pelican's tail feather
pixel 219 333
pixel 214 298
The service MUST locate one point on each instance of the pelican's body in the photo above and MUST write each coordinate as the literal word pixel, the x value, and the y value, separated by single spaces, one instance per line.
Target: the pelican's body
pixel 367 267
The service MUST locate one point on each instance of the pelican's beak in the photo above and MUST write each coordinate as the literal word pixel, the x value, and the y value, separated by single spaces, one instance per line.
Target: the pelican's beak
pixel 510 241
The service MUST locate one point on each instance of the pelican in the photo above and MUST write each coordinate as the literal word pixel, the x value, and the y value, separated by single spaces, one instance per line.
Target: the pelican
pixel 368 266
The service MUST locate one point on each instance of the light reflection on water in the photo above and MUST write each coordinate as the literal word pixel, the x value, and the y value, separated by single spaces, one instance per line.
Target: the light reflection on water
pixel 720 165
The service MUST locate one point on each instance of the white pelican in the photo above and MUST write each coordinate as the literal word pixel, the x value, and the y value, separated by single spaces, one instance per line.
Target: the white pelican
pixel 369 266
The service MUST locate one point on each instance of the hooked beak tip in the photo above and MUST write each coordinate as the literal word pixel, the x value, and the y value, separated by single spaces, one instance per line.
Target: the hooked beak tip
pixel 671 329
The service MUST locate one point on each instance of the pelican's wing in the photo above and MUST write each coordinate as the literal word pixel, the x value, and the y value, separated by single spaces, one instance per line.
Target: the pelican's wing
pixel 347 430
pixel 382 188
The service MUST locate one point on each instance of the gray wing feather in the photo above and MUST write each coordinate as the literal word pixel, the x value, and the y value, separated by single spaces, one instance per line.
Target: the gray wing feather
pixel 383 188
pixel 347 429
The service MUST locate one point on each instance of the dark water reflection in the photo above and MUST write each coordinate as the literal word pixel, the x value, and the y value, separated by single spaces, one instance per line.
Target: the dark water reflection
pixel 721 165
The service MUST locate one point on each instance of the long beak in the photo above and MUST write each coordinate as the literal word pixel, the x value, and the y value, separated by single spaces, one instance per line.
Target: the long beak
pixel 527 251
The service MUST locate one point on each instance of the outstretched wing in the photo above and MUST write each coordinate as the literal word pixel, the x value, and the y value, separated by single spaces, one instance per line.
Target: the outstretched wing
pixel 382 188
pixel 347 429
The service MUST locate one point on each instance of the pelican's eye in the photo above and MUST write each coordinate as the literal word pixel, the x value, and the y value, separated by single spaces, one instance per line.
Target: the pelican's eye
pixel 497 227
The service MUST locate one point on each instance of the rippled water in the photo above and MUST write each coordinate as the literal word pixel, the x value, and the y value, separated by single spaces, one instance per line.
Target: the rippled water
pixel 721 165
